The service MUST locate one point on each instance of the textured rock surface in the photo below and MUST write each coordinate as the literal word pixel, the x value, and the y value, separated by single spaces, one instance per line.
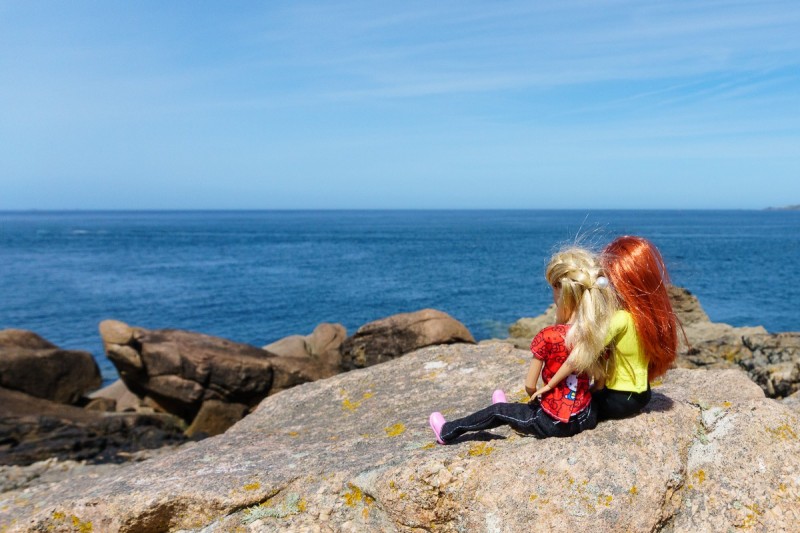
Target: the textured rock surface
pixel 33 429
pixel 354 453
pixel 390 337
pixel 30 364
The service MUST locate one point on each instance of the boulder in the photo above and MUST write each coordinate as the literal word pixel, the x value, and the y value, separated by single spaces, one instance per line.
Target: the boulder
pixel 686 306
pixel 311 357
pixel 524 330
pixel 354 453
pixel 35 366
pixel 387 338
pixel 33 429
pixel 178 371
pixel 774 362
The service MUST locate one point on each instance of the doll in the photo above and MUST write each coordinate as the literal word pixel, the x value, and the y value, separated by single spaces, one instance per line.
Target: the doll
pixel 566 355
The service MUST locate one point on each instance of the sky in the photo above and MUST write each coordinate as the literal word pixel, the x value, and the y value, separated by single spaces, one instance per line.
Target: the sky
pixel 374 105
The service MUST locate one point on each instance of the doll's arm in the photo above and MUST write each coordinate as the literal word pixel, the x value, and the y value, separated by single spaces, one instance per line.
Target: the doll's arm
pixel 566 369
pixel 533 375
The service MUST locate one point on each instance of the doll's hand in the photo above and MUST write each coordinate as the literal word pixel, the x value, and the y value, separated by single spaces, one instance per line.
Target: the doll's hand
pixel 538 393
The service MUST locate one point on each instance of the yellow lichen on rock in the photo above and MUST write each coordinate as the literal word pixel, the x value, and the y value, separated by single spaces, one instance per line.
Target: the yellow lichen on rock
pixel 395 430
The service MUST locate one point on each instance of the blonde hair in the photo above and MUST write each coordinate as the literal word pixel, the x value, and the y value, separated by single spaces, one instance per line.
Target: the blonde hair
pixel 590 304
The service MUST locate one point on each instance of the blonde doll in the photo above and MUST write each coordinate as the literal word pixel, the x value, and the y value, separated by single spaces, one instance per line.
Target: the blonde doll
pixel 566 355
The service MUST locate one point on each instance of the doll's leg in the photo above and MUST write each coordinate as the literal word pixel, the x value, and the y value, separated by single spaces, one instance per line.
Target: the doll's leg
pixel 495 415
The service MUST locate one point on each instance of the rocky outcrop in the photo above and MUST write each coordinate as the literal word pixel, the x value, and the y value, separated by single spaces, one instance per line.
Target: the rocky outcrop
pixel 35 366
pixel 354 453
pixel 387 338
pixel 774 362
pixel 179 371
pixel 33 429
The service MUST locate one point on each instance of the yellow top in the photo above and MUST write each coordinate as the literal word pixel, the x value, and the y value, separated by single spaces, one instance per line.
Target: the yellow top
pixel 630 364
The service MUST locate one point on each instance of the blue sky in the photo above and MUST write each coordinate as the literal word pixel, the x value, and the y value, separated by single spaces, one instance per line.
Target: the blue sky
pixel 269 105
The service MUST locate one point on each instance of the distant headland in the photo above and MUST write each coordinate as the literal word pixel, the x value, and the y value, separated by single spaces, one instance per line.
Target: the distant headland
pixel 795 207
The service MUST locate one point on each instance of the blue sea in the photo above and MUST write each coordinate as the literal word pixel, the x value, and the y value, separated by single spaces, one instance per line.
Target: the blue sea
pixel 257 276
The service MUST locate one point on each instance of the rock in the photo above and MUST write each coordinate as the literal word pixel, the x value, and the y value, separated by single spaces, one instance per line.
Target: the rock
pixel 311 357
pixel 33 365
pixel 101 404
pixel 686 306
pixel 399 334
pixel 178 371
pixel 215 417
pixel 774 363
pixel 124 400
pixel 715 345
pixel 524 330
pixel 33 429
pixel 355 453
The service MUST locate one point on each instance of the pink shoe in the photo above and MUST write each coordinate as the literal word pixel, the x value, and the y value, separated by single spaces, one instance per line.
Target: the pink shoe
pixel 437 421
pixel 499 396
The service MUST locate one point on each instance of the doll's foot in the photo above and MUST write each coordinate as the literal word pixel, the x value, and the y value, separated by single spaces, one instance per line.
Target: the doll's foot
pixel 437 421
pixel 498 396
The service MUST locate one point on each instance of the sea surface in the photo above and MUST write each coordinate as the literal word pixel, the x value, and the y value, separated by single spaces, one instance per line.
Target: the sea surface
pixel 257 276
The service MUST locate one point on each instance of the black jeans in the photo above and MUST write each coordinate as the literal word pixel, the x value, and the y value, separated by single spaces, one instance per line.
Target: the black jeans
pixel 615 404
pixel 524 418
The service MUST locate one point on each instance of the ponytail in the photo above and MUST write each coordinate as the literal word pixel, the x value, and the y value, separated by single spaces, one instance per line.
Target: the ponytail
pixel 585 296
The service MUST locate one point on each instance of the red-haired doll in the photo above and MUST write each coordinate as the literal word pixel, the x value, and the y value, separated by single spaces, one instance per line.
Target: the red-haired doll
pixel 643 335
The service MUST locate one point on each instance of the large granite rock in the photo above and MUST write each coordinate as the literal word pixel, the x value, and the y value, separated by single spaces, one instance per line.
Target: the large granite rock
pixel 354 453
pixel 393 336
pixel 177 371
pixel 35 366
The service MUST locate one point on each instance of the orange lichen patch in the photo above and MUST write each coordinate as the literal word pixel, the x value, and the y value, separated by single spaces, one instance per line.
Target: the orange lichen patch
pixel 479 449
pixel 293 434
pixel 656 383
pixel 782 432
pixel 726 404
pixel 634 491
pixel 605 500
pixel 58 516
pixel 367 395
pixel 541 472
pixel 521 361
pixel 354 496
pixel 252 486
pixel 533 497
pixel 395 430
pixel 302 505
pixel 428 446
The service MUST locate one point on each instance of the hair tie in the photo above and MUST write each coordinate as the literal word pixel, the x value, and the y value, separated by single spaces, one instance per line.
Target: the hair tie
pixel 601 283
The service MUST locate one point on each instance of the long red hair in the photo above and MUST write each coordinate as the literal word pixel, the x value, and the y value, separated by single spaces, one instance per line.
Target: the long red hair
pixel 638 273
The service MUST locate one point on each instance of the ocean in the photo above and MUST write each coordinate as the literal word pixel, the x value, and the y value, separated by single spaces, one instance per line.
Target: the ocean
pixel 257 276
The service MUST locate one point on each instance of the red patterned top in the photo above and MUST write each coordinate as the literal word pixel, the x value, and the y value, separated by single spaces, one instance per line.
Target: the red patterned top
pixel 572 395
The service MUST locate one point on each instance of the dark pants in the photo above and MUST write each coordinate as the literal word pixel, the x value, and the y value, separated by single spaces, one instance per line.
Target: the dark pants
pixel 614 404
pixel 524 418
